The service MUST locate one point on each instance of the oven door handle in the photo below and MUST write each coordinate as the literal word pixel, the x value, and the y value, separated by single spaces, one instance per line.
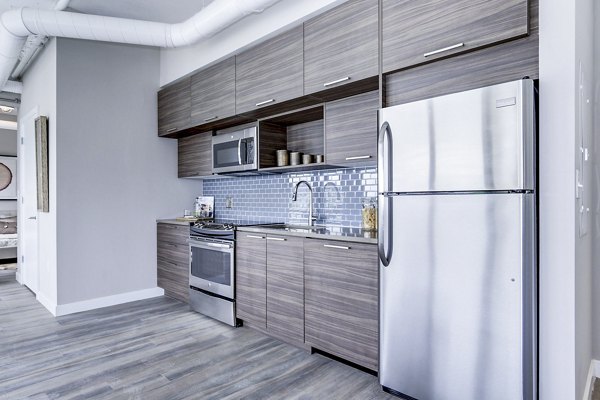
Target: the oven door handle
pixel 205 245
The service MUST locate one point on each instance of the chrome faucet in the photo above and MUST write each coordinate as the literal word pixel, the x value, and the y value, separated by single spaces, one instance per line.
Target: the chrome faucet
pixel 310 199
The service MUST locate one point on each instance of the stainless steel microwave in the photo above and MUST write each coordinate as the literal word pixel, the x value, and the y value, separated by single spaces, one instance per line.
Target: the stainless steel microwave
pixel 234 150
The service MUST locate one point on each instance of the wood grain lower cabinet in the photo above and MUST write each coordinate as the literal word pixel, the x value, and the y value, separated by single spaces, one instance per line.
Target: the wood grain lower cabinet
pixel 341 299
pixel 173 260
pixel 174 105
pixel 270 284
pixel 285 287
pixel 251 278
pixel 194 155
pixel 351 130
pixel 414 32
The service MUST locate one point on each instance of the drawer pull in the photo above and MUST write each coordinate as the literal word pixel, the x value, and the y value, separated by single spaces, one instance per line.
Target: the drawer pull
pixel 454 46
pixel 277 239
pixel 346 78
pixel 357 158
pixel 262 103
pixel 211 118
pixel 171 130
pixel 255 237
pixel 332 246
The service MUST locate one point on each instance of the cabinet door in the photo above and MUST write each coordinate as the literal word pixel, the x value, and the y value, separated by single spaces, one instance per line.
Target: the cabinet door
pixel 351 130
pixel 419 31
pixel 194 155
pixel 341 46
pixel 213 93
pixel 341 299
pixel 285 287
pixel 173 260
pixel 251 278
pixel 174 108
pixel 271 72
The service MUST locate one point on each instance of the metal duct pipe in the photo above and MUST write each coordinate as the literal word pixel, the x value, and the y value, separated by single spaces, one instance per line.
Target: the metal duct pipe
pixel 33 45
pixel 16 25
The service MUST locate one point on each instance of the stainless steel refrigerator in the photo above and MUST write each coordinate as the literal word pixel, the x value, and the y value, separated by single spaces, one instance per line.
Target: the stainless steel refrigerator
pixel 457 245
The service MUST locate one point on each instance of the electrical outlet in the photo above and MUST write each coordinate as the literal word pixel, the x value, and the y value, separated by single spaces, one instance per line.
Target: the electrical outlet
pixel 229 202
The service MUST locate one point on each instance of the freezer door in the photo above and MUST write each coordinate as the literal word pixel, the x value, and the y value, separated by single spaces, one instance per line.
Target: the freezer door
pixel 476 140
pixel 458 298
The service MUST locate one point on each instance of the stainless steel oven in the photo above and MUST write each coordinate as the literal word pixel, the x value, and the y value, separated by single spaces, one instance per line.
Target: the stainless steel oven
pixel 212 278
pixel 234 150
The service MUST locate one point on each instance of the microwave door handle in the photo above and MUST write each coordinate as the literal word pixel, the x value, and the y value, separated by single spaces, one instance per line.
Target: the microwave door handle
pixel 240 151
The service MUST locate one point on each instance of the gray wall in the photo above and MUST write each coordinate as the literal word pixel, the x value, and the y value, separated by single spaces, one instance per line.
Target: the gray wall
pixel 595 145
pixel 115 176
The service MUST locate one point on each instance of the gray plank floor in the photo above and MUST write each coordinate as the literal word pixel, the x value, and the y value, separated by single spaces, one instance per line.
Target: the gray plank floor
pixel 155 349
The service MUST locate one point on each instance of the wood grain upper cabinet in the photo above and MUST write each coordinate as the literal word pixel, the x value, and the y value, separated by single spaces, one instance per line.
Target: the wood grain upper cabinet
pixel 419 31
pixel 271 72
pixel 213 92
pixel 173 259
pixel 174 108
pixel 341 299
pixel 194 155
pixel 341 46
pixel 351 130
pixel 285 287
pixel 251 278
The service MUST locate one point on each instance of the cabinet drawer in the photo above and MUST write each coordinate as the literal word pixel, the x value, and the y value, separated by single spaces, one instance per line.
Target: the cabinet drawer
pixel 341 299
pixel 172 233
pixel 351 130
pixel 419 31
pixel 271 72
pixel 341 46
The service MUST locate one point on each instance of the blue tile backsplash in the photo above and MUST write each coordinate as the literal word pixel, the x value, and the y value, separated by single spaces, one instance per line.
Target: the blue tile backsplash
pixel 337 194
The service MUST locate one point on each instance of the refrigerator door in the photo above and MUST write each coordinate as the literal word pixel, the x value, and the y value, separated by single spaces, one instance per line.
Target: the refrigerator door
pixel 480 139
pixel 458 298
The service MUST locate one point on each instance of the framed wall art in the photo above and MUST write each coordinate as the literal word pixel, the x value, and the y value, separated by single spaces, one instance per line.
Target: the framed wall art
pixel 41 155
pixel 8 178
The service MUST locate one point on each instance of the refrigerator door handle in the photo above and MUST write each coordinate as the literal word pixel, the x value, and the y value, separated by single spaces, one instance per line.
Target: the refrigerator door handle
pixel 384 180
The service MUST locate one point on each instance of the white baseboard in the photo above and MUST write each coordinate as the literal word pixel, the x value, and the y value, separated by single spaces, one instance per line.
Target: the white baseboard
pixel 46 302
pixel 100 302
pixel 593 373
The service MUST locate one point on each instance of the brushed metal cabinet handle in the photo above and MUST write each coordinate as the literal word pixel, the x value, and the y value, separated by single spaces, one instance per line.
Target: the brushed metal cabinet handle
pixel 357 158
pixel 277 239
pixel 262 103
pixel 171 129
pixel 255 237
pixel 211 118
pixel 434 52
pixel 332 246
pixel 346 78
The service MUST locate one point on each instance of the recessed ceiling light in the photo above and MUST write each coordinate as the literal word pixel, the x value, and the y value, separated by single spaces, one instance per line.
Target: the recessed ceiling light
pixel 6 109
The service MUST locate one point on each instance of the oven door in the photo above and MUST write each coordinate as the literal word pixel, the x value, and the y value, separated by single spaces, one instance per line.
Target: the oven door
pixel 212 266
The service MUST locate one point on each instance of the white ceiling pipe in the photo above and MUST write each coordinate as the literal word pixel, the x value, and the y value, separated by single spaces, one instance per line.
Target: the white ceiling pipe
pixel 17 24
pixel 33 45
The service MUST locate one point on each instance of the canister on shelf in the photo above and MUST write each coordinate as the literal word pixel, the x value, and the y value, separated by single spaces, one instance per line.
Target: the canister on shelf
pixel 307 159
pixel 282 158
pixel 295 158
pixel 369 213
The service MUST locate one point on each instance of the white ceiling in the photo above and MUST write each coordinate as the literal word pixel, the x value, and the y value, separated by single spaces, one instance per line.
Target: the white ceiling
pixel 169 11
